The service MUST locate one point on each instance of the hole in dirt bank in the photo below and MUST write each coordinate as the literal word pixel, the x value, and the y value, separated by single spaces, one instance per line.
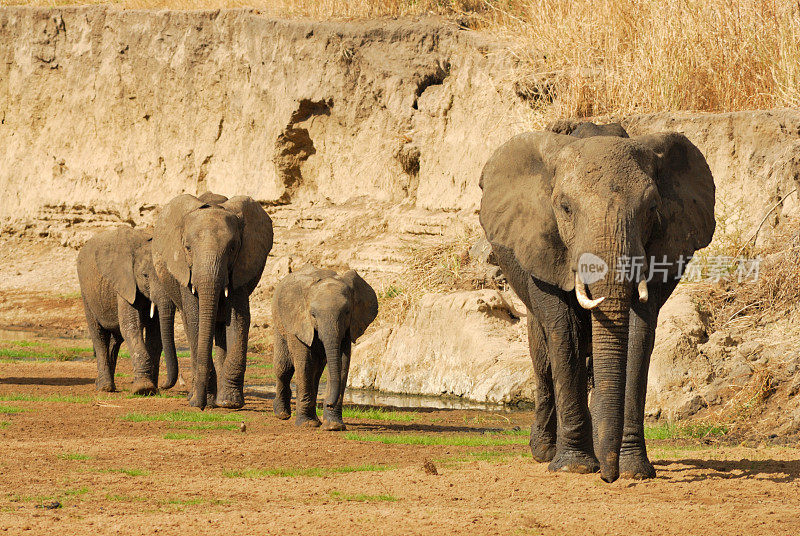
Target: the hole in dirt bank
pixel 294 145
pixel 435 78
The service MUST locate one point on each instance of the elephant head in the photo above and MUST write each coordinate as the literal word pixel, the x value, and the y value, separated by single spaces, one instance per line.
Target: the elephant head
pixel 212 249
pixel 551 199
pixel 336 309
pixel 125 261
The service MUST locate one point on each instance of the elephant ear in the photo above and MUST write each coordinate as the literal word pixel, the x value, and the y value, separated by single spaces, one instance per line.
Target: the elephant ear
pixel 169 256
pixel 256 240
pixel 687 193
pixel 516 211
pixel 365 304
pixel 114 257
pixel 291 308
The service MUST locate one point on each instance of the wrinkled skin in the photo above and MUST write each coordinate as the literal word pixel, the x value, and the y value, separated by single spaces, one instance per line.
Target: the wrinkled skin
pixel 316 316
pixel 120 291
pixel 209 253
pixel 549 198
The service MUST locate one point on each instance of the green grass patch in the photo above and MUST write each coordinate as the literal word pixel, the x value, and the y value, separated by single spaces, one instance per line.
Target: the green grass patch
pixel 160 394
pixel 207 426
pixel 259 364
pixel 363 497
pixel 174 435
pixel 121 375
pixel 375 414
pixel 305 471
pixel 9 410
pixel 62 496
pixel 670 430
pixel 43 352
pixel 183 416
pixel 4 424
pixel 463 440
pixel 69 399
pixel 488 456
pixel 77 456
pixel 127 471
pixel 125 498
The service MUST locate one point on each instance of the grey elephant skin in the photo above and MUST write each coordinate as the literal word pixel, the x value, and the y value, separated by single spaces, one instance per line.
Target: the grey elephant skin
pixel 209 253
pixel 317 315
pixel 547 200
pixel 125 301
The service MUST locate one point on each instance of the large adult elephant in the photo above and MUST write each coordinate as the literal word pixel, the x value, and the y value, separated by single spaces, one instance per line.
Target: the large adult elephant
pixel 550 200
pixel 125 301
pixel 209 253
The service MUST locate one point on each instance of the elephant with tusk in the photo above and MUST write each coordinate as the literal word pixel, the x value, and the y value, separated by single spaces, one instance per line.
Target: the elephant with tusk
pixel 549 202
pixel 125 301
pixel 209 253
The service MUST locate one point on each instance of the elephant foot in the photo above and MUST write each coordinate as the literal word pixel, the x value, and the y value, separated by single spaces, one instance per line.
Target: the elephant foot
pixel 307 421
pixel 333 426
pixel 281 409
pixel 143 386
pixel 230 399
pixel 574 461
pixel 105 386
pixel 198 401
pixel 543 446
pixel 635 466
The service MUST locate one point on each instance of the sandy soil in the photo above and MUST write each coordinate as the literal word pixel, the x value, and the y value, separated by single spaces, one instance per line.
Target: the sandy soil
pixel 60 442
pixel 112 475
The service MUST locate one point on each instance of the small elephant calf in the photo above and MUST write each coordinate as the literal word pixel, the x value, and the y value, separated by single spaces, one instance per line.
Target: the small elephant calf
pixel 317 314
pixel 125 301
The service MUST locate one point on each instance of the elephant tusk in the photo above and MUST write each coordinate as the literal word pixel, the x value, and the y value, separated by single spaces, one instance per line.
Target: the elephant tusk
pixel 152 309
pixel 226 292
pixel 583 299
pixel 643 294
pixel 191 287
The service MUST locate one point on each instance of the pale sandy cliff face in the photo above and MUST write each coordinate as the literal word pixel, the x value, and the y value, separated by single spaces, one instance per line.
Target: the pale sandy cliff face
pixel 364 140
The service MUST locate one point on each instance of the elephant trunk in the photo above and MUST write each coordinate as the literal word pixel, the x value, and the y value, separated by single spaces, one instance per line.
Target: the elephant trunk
pixel 332 410
pixel 610 322
pixel 166 320
pixel 209 279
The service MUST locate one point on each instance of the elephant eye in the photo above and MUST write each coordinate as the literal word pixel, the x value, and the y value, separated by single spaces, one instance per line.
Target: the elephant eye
pixel 565 208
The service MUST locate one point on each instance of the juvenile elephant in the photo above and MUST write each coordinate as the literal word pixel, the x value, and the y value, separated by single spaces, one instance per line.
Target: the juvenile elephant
pixel 317 315
pixel 209 254
pixel 124 301
pixel 564 213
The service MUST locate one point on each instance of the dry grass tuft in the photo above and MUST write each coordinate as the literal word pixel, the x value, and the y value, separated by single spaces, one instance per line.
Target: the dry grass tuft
pixel 443 267
pixel 608 57
pixel 774 292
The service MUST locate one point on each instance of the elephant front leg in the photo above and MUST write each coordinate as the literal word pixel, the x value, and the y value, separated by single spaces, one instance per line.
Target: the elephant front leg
pixel 284 370
pixel 305 368
pixel 131 323
pixel 230 383
pixel 153 345
pixel 633 461
pixel 543 429
pixel 561 324
pixel 101 339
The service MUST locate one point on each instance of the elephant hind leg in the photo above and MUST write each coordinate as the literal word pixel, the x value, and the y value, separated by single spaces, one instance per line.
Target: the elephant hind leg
pixel 543 429
pixel 284 370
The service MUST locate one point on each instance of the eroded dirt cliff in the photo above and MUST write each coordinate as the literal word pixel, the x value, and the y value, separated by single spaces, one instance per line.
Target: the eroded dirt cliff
pixel 364 140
